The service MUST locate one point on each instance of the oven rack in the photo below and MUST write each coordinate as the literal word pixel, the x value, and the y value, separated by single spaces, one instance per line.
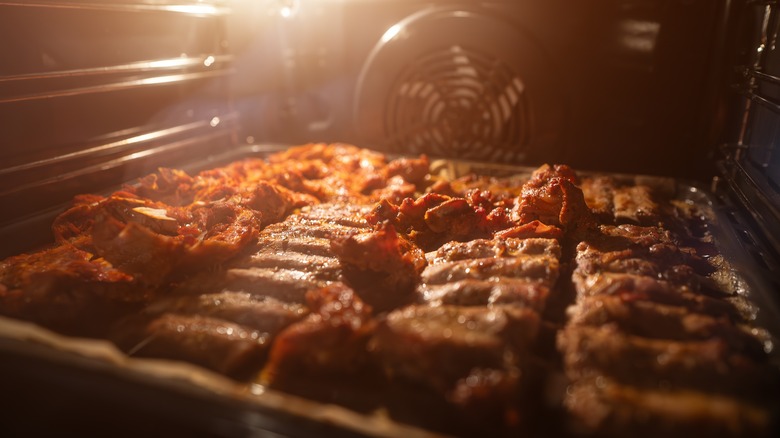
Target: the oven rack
pixel 748 180
pixel 213 7
pixel 98 92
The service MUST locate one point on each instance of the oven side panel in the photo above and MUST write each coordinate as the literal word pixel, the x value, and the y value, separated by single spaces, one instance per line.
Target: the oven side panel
pixel 749 155
pixel 96 93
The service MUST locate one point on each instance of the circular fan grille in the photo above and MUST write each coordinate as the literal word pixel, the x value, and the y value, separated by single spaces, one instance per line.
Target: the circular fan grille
pixel 458 102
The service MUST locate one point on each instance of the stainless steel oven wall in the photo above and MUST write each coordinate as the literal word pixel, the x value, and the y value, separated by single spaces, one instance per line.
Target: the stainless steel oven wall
pixel 96 92
pixel 750 151
pixel 619 85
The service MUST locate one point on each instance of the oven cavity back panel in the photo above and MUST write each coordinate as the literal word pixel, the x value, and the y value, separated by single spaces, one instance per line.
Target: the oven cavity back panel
pixel 459 82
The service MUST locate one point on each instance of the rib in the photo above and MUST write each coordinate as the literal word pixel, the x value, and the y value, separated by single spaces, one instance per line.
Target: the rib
pixel 552 197
pixel 329 214
pixel 283 284
pixel 67 289
pixel 651 245
pixel 661 321
pixel 650 242
pixel 382 266
pixel 608 408
pixel 437 346
pixel 321 267
pixel 484 248
pixel 331 340
pixel 614 202
pixel 653 290
pixel 301 240
pixel 642 267
pixel 634 204
pixel 225 347
pixel 708 365
pixel 350 215
pixel 290 258
pixel 599 193
pixel 474 292
pixel 537 268
pixel 493 402
pixel 265 314
pixel 487 272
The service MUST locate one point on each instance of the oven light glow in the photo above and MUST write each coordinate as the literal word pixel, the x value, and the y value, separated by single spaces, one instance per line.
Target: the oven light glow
pixel 288 8
pixel 391 33
pixel 209 61
pixel 202 10
pixel 256 389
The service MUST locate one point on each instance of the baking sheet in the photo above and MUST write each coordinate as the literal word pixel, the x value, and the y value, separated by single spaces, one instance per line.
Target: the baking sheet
pixel 259 409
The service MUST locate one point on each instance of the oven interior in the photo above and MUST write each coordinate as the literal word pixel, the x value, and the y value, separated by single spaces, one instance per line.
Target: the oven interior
pixel 96 93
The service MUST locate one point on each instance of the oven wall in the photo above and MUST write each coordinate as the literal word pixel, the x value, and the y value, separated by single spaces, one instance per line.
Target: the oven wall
pixel 749 158
pixel 94 93
pixel 616 85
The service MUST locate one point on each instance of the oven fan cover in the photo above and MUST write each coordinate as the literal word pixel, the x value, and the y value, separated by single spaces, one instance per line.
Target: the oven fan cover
pixel 459 83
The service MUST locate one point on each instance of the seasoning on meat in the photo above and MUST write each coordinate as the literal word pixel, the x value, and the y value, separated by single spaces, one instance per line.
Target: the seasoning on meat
pixel 616 202
pixel 381 266
pixel 654 345
pixel 541 305
pixel 330 340
pixel 63 284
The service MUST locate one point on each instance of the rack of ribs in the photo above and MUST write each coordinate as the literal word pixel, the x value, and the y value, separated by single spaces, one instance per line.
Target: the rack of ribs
pixel 654 344
pixel 333 273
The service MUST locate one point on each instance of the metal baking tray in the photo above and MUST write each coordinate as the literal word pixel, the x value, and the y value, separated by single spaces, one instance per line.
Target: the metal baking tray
pixel 88 385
